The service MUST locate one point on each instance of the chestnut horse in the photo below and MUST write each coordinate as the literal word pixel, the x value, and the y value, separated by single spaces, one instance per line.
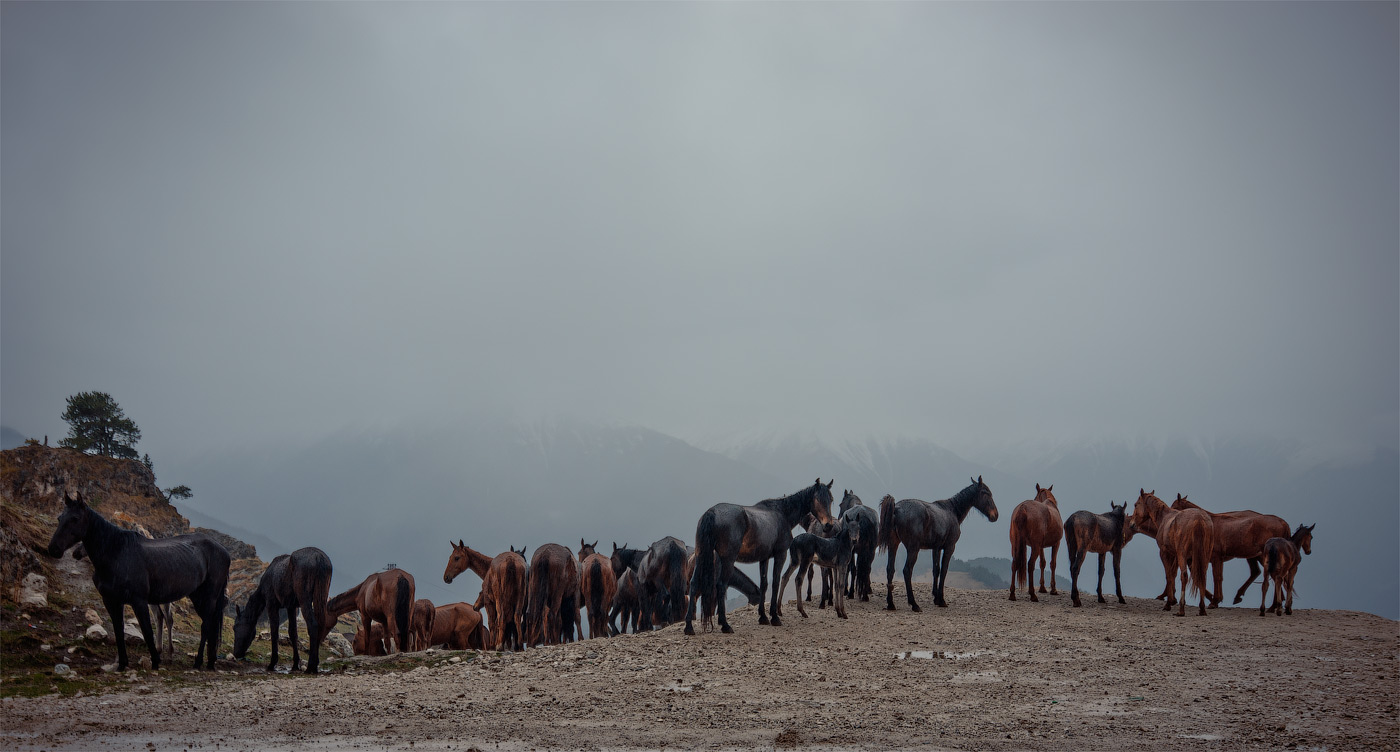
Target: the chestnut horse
pixel 1035 523
pixel 552 596
pixel 597 589
pixel 1238 535
pixel 1281 560
pixel 459 627
pixel 1185 541
pixel 502 596
pixel 420 634
pixel 385 597
pixel 936 526
pixel 369 641
pixel 1089 533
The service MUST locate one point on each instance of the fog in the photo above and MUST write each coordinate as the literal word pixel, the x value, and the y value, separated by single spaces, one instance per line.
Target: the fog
pixel 269 225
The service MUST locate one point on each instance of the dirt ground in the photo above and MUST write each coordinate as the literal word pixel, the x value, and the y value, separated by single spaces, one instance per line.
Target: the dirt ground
pixel 983 673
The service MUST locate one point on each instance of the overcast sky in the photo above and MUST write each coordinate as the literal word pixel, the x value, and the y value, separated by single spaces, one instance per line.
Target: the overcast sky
pixel 279 219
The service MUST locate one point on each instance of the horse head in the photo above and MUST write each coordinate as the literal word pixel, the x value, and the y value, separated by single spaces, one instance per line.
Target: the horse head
pixel 1182 503
pixel 457 562
pixel 984 503
pixel 1146 512
pixel 850 526
pixel 1046 495
pixel 245 622
pixel 849 500
pixel 1302 537
pixel 821 500
pixel 1118 513
pixel 586 550
pixel 73 525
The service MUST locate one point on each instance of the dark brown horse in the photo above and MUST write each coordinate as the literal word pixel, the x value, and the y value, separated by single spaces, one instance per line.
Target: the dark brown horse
pixel 1281 559
pixel 597 587
pixel 552 599
pixel 1089 533
pixel 1035 524
pixel 502 596
pixel 626 603
pixel 1185 542
pixel 459 627
pixel 385 597
pixel 420 634
pixel 935 526
pixel 369 640
pixel 130 568
pixel 858 581
pixel 813 526
pixel 729 533
pixel 1238 535
pixel 661 582
pixel 301 578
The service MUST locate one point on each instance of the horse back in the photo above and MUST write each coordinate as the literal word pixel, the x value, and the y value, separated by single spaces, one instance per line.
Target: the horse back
pixel 175 567
pixel 926 524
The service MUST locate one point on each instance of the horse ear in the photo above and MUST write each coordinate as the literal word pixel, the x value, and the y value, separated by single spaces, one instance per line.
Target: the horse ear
pixel 581 543
pixel 979 480
pixel 1051 488
pixel 595 544
pixel 1037 488
pixel 829 483
pixel 460 543
pixel 1141 492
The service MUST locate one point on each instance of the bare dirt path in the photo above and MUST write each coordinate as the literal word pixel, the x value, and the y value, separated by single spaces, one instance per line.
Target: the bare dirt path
pixel 983 673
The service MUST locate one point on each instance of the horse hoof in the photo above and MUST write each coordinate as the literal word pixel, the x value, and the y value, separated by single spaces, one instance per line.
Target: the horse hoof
pixel 1042 588
pixel 775 621
pixel 889 607
pixel 1120 600
pixel 1053 591
pixel 913 607
pixel 1013 597
pixel 1238 599
pixel 1077 605
pixel 1213 604
pixel 1034 599
pixel 726 629
pixel 689 630
pixel 762 620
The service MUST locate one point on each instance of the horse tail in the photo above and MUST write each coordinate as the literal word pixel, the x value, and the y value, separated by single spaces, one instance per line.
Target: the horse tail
pixel 1018 558
pixel 536 599
pixel 1202 545
pixel 887 536
pixel 403 610
pixel 595 604
pixel 703 582
pixel 676 565
pixel 1071 542
pixel 320 592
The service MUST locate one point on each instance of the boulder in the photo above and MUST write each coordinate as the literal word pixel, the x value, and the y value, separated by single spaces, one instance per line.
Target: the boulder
pixel 96 632
pixel 91 616
pixel 337 643
pixel 33 591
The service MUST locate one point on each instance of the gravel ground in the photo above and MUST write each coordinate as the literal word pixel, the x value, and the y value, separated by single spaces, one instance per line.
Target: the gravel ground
pixel 984 673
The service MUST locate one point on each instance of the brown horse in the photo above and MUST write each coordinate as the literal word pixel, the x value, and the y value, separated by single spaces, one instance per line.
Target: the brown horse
pixel 385 597
pixel 502 597
pixel 1089 533
pixel 1185 542
pixel 597 588
pixel 1281 560
pixel 369 641
pixel 626 603
pixel 1238 535
pixel 459 627
pixel 1035 523
pixel 420 634
pixel 552 596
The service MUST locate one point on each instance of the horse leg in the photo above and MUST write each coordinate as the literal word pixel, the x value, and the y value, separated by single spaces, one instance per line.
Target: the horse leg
pixel 762 585
pixel 889 579
pixel 313 634
pixel 779 557
pixel 114 609
pixel 292 637
pixel 1040 554
pixel 942 576
pixel 1288 605
pixel 1263 594
pixel 1054 557
pixel 798 565
pixel 274 622
pixel 1117 574
pixel 1217 567
pixel 1030 571
pixel 911 555
pixel 1075 562
pixel 143 617
pixel 1169 594
pixel 1101 600
pixel 838 576
pixel 1253 572
pixel 722 589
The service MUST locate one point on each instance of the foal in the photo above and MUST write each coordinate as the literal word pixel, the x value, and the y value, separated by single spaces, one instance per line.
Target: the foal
pixel 816 527
pixel 1281 564
pixel 1089 533
pixel 832 553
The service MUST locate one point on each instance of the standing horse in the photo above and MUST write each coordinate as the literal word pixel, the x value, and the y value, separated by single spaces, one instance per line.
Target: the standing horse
pixel 301 578
pixel 1086 533
pixel 935 526
pixel 1238 535
pixel 858 582
pixel 625 558
pixel 1185 542
pixel 420 632
pixel 661 582
pixel 551 596
pixel 1281 561
pixel 626 603
pixel 130 568
pixel 729 533
pixel 164 619
pixel 813 526
pixel 385 597
pixel 597 588
pixel 1035 523
pixel 832 553
pixel 459 627
pixel 502 596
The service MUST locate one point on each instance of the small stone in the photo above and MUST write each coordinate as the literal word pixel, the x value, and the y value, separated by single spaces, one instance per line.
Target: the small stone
pixel 109 667
pixel 92 617
pixel 455 659
pixel 33 591
pixel 96 632
pixel 62 669
pixel 46 647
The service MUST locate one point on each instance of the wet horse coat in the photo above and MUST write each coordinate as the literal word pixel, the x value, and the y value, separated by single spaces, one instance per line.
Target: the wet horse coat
pixel 933 525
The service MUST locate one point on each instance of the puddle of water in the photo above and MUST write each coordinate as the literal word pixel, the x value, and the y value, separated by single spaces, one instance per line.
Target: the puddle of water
pixel 1206 737
pixel 929 655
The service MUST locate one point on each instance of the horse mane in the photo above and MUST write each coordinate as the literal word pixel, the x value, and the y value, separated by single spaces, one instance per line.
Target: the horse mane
pixel 961 502
pixel 105 536
pixel 781 503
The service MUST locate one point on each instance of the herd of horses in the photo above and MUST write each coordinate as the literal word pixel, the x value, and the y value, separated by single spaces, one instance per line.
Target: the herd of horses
pixel 523 604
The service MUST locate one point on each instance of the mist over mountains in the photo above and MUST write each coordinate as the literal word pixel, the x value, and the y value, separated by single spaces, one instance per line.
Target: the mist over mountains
pixel 398 495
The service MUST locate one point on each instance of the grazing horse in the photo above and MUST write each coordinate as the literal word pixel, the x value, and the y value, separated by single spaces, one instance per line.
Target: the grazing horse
pixel 932 525
pixel 858 582
pixel 164 619
pixel 729 533
pixel 459 627
pixel 551 596
pixel 1185 542
pixel 661 582
pixel 626 603
pixel 597 589
pixel 832 553
pixel 502 597
pixel 369 640
pixel 1035 523
pixel 301 578
pixel 385 597
pixel 1238 535
pixel 420 633
pixel 1086 533
pixel 130 568
pixel 1281 560
pixel 813 526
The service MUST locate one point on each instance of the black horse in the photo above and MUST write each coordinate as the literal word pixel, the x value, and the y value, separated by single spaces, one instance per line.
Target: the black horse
pixel 301 578
pixel 130 568
pixel 729 533
pixel 855 512
pixel 1086 533
pixel 661 583
pixel 936 526
pixel 625 558
pixel 833 554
